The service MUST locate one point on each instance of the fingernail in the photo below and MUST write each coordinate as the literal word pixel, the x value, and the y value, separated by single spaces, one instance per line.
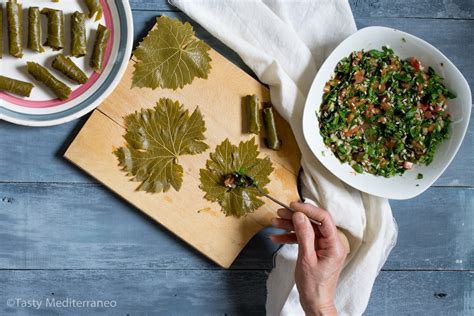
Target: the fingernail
pixel 295 204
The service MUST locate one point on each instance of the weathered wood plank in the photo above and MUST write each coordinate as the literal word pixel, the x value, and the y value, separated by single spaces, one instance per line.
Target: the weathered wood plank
pixel 457 9
pixel 84 226
pixel 36 154
pixel 422 293
pixel 152 5
pixel 210 292
pixel 435 231
pixel 461 170
pixel 444 9
pixel 138 292
pixel 38 151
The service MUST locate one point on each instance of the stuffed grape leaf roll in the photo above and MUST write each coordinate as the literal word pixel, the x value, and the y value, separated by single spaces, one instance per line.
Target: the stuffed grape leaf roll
pixel 55 38
pixel 78 34
pixel 15 28
pixel 15 86
pixel 272 140
pixel 34 30
pixel 68 67
pixel 97 59
pixel 44 76
pixel 95 8
pixel 253 112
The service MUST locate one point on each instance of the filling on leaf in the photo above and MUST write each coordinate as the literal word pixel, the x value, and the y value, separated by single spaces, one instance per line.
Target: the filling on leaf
pixel 155 138
pixel 232 176
pixel 170 56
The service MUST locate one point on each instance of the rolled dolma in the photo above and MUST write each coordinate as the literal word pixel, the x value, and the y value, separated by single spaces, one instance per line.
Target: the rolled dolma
pixel 272 141
pixel 78 34
pixel 68 67
pixel 43 75
pixel 34 30
pixel 15 28
pixel 100 45
pixel 253 111
pixel 55 38
pixel 15 86
pixel 94 7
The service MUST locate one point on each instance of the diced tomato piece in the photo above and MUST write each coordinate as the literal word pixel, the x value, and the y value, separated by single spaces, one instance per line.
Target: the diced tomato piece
pixel 424 107
pixel 354 130
pixel 428 114
pixel 359 76
pixel 419 88
pixel 384 104
pixel 407 165
pixel 368 112
pixel 415 63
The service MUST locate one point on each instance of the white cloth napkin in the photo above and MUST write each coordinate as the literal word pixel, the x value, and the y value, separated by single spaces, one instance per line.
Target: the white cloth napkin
pixel 284 43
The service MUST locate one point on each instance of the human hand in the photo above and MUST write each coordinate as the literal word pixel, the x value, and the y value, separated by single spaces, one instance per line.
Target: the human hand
pixel 321 255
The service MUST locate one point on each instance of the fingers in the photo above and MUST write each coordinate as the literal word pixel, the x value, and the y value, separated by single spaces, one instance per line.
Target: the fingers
pixel 327 228
pixel 305 235
pixel 288 238
pixel 283 224
pixel 284 213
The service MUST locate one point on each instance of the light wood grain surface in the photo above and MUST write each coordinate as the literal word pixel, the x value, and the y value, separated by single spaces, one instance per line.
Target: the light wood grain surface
pixel 186 213
pixel 61 232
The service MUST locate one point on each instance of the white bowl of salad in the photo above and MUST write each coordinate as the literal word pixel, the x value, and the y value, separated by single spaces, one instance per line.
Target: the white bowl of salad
pixel 387 113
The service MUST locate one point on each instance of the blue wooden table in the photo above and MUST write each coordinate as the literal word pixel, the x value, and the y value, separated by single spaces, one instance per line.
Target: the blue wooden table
pixel 63 235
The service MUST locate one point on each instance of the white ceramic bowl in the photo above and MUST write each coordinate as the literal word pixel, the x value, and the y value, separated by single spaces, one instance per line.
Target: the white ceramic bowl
pixel 405 46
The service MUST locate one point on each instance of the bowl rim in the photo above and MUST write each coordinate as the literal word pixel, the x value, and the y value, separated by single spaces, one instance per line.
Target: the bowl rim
pixel 308 110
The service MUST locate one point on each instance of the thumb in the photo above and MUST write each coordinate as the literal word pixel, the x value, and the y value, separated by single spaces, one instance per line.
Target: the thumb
pixel 305 235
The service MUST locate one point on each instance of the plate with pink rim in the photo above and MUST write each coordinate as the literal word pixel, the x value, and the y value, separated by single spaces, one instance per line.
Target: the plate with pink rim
pixel 43 108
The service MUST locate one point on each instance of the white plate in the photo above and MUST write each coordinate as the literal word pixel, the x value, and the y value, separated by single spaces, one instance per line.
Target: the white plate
pixel 405 46
pixel 42 108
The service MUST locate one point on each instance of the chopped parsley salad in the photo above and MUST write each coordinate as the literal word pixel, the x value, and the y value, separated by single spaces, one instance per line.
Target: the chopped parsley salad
pixel 382 114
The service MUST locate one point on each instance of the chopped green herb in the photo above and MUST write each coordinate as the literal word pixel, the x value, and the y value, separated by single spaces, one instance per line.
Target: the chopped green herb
pixel 382 114
pixel 419 176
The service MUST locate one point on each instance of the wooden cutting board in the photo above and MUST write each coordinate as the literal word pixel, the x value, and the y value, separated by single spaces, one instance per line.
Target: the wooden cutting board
pixel 186 213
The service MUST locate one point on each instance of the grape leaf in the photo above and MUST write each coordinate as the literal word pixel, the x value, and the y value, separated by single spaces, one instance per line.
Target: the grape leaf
pixel 170 56
pixel 228 159
pixel 155 138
